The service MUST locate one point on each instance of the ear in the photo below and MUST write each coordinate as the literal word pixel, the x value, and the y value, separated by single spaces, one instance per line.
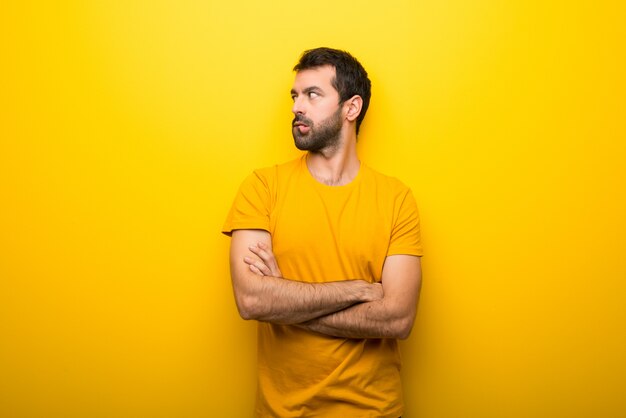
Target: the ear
pixel 353 107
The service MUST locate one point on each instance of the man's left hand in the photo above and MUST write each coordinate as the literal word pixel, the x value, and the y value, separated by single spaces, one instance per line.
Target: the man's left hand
pixel 266 264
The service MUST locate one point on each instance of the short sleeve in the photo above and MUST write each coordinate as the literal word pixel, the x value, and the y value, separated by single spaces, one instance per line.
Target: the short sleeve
pixel 251 207
pixel 405 234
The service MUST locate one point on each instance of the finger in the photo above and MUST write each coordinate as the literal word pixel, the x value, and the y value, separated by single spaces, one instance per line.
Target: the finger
pixel 263 251
pixel 264 255
pixel 262 267
pixel 257 249
pixel 270 260
pixel 258 265
pixel 255 270
pixel 267 257
pixel 266 249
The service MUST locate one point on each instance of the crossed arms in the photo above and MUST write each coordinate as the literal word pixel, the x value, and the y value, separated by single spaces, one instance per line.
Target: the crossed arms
pixel 350 309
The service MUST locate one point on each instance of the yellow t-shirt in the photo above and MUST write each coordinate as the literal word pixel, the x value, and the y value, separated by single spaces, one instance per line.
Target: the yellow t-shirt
pixel 327 233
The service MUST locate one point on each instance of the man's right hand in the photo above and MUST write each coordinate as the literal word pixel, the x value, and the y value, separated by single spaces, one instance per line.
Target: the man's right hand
pixel 376 291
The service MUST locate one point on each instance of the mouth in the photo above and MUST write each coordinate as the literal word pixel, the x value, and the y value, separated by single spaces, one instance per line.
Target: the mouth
pixel 302 127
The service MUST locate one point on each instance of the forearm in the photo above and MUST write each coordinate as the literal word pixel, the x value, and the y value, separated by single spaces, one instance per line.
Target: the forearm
pixel 389 317
pixel 284 301
pixel 376 319
pixel 350 309
pixel 262 293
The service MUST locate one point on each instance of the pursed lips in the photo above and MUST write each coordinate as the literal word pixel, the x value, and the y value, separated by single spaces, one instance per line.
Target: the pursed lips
pixel 301 126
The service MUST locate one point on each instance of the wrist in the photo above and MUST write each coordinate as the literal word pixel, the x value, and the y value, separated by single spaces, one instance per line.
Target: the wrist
pixel 371 292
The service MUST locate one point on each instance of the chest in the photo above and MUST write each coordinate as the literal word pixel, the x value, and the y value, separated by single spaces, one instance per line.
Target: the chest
pixel 331 236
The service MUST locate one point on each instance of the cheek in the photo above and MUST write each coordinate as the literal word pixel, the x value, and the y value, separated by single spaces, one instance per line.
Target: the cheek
pixel 329 111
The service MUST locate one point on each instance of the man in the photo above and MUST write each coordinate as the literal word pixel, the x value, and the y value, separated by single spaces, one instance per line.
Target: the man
pixel 325 254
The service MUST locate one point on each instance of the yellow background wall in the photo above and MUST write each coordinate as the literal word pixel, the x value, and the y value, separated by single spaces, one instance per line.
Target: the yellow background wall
pixel 127 126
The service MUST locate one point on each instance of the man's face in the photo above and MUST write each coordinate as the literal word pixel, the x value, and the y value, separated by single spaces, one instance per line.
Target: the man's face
pixel 318 117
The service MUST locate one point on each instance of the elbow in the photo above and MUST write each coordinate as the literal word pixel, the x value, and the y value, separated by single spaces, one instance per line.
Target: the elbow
pixel 403 328
pixel 244 313
pixel 248 307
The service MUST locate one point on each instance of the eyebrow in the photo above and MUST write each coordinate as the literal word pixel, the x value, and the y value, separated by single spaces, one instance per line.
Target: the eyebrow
pixel 308 90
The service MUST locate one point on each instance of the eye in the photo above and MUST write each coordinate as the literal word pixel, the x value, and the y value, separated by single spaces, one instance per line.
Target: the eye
pixel 293 97
pixel 313 95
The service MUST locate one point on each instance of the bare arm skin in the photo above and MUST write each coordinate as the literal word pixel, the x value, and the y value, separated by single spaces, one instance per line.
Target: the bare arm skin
pixel 390 317
pixel 263 295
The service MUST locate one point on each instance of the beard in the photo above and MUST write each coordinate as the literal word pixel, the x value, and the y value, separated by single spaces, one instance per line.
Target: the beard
pixel 318 138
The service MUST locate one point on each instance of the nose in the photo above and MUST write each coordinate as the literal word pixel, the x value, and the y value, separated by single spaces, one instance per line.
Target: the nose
pixel 298 107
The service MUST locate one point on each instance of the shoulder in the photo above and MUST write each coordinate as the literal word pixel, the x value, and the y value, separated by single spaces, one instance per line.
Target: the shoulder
pixel 384 183
pixel 272 173
pixel 269 176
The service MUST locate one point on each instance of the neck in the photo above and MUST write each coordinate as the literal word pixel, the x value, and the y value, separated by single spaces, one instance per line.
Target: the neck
pixel 337 166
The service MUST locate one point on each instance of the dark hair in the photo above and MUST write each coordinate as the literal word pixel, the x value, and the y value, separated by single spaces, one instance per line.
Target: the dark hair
pixel 350 76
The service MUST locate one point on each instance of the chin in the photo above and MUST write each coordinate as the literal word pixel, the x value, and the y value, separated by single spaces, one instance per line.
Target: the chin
pixel 301 143
pixel 301 146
